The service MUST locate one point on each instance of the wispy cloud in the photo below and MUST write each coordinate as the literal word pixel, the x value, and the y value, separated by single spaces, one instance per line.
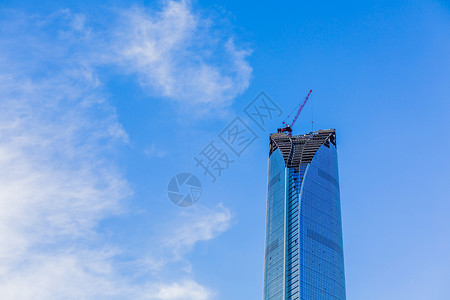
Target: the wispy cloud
pixel 178 54
pixel 185 290
pixel 58 174
pixel 175 242
pixel 57 177
pixel 201 226
pixel 178 239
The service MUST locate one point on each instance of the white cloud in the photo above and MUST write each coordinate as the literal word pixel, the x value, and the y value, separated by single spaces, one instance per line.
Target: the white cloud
pixel 178 239
pixel 177 53
pixel 185 290
pixel 56 183
pixel 201 225
pixel 58 175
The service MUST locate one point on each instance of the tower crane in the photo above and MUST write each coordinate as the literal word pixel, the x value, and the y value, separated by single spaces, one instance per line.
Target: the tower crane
pixel 288 128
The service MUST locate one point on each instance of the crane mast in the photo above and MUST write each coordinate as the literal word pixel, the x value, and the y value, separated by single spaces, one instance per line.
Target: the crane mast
pixel 288 128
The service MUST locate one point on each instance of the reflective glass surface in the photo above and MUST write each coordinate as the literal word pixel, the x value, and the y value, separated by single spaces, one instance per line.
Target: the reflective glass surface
pixel 274 255
pixel 304 255
pixel 321 253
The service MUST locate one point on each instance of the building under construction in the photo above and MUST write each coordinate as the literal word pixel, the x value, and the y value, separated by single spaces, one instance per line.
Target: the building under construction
pixel 304 250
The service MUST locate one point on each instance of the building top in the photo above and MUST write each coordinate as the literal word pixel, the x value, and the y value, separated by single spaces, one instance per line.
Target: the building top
pixel 301 149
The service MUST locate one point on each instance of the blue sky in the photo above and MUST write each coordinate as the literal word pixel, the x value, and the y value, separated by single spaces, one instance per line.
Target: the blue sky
pixel 101 104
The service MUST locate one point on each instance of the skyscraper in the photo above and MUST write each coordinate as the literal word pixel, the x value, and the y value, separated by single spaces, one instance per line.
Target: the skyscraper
pixel 303 256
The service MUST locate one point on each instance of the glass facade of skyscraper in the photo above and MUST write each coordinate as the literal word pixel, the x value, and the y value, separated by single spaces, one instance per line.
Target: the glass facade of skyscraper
pixel 304 256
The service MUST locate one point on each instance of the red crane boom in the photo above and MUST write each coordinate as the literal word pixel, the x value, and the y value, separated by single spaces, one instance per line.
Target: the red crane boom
pixel 287 127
